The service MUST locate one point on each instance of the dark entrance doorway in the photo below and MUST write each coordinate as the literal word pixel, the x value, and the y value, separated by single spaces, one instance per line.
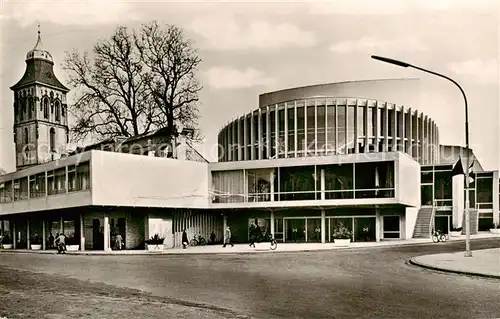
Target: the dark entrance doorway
pixel 97 235
pixel 295 230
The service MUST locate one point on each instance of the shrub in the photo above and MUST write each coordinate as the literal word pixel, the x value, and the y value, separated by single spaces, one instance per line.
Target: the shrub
pixel 341 232
pixel 6 240
pixel 155 240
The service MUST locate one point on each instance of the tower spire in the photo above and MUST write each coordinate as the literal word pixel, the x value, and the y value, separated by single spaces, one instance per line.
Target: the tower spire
pixel 38 44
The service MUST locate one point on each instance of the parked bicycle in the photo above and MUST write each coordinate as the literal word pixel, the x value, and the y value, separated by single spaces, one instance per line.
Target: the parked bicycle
pixel 438 236
pixel 272 241
pixel 198 241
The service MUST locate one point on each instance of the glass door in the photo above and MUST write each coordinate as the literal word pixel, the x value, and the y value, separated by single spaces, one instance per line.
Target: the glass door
pixel 313 230
pixel 295 230
pixel 364 229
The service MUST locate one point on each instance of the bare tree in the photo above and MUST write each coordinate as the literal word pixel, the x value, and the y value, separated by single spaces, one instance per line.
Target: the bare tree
pixel 135 82
pixel 112 96
pixel 172 63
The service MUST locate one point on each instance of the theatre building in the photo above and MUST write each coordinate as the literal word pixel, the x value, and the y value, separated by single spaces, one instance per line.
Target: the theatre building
pixel 306 159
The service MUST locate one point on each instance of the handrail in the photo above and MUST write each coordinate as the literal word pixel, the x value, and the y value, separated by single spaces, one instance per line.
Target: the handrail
pixel 433 216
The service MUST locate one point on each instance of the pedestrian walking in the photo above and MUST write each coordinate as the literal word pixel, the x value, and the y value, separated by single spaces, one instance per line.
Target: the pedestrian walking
pixel 51 241
pixel 185 240
pixel 227 238
pixel 118 242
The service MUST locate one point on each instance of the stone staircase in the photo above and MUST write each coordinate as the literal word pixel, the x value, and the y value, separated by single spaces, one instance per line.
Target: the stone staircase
pixel 423 223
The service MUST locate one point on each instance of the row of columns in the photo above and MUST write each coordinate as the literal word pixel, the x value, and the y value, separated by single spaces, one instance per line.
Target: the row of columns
pixel 407 126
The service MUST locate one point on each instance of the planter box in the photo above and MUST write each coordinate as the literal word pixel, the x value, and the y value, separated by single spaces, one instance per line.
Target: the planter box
pixel 341 242
pixel 455 233
pixel 495 231
pixel 73 247
pixel 36 247
pixel 154 247
pixel 7 246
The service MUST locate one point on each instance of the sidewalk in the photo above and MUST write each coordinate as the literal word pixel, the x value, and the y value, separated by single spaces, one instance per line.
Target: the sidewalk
pixel 259 248
pixel 485 263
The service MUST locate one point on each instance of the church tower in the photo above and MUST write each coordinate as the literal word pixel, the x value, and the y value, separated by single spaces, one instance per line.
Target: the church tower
pixel 40 111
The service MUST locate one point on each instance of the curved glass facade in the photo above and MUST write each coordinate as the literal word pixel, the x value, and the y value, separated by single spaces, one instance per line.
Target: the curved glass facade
pixel 329 126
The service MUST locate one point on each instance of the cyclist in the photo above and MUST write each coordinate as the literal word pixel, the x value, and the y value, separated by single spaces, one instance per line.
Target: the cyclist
pixel 60 243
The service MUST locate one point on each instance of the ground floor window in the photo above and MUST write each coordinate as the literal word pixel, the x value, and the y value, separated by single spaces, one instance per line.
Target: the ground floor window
pixel 363 228
pixel 391 227
pixel 485 223
pixel 443 223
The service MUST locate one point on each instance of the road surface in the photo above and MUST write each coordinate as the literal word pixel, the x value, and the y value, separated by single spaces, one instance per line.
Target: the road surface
pixel 361 283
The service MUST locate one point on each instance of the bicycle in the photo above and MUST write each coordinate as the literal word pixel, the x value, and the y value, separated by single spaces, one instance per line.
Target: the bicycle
pixel 198 241
pixel 272 241
pixel 438 236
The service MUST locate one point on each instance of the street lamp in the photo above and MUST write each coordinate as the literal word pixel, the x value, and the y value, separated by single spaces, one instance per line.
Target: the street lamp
pixel 468 252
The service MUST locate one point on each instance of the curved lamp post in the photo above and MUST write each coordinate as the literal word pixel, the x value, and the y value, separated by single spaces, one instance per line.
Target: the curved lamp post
pixel 468 252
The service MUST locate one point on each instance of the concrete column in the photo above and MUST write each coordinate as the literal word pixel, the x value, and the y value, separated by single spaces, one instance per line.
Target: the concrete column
pixel 323 226
pixel 295 137
pixel 272 223
pixel 44 235
pixel 61 223
pixel 245 139
pixel 285 140
pixel 82 238
pixel 377 224
pixel 316 127
pixel 322 184
pixel 409 132
pixel 272 177
pixel 268 133
pixel 28 234
pixel 386 127
pixel 356 124
pixel 305 129
pixel 106 233
pixel 224 224
pixel 276 131
pixel 259 140
pixel 252 137
pixel 495 198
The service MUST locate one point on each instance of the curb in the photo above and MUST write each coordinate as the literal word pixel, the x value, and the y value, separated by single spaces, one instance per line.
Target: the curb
pixel 142 253
pixel 446 270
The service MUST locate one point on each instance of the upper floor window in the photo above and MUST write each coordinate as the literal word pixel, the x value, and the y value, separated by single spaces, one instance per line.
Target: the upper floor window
pixel 52 139
pixel 30 108
pixel 45 108
pixel 26 136
pixel 23 109
pixel 58 109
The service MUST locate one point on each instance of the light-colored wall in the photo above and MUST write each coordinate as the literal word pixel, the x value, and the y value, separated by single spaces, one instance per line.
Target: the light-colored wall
pixel 411 214
pixel 408 181
pixel 457 183
pixel 399 91
pixel 131 180
pixel 496 204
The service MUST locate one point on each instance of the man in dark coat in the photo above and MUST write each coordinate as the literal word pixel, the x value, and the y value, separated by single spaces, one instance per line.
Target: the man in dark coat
pixel 185 240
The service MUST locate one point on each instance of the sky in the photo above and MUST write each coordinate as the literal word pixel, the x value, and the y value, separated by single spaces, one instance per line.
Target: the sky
pixel 250 48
